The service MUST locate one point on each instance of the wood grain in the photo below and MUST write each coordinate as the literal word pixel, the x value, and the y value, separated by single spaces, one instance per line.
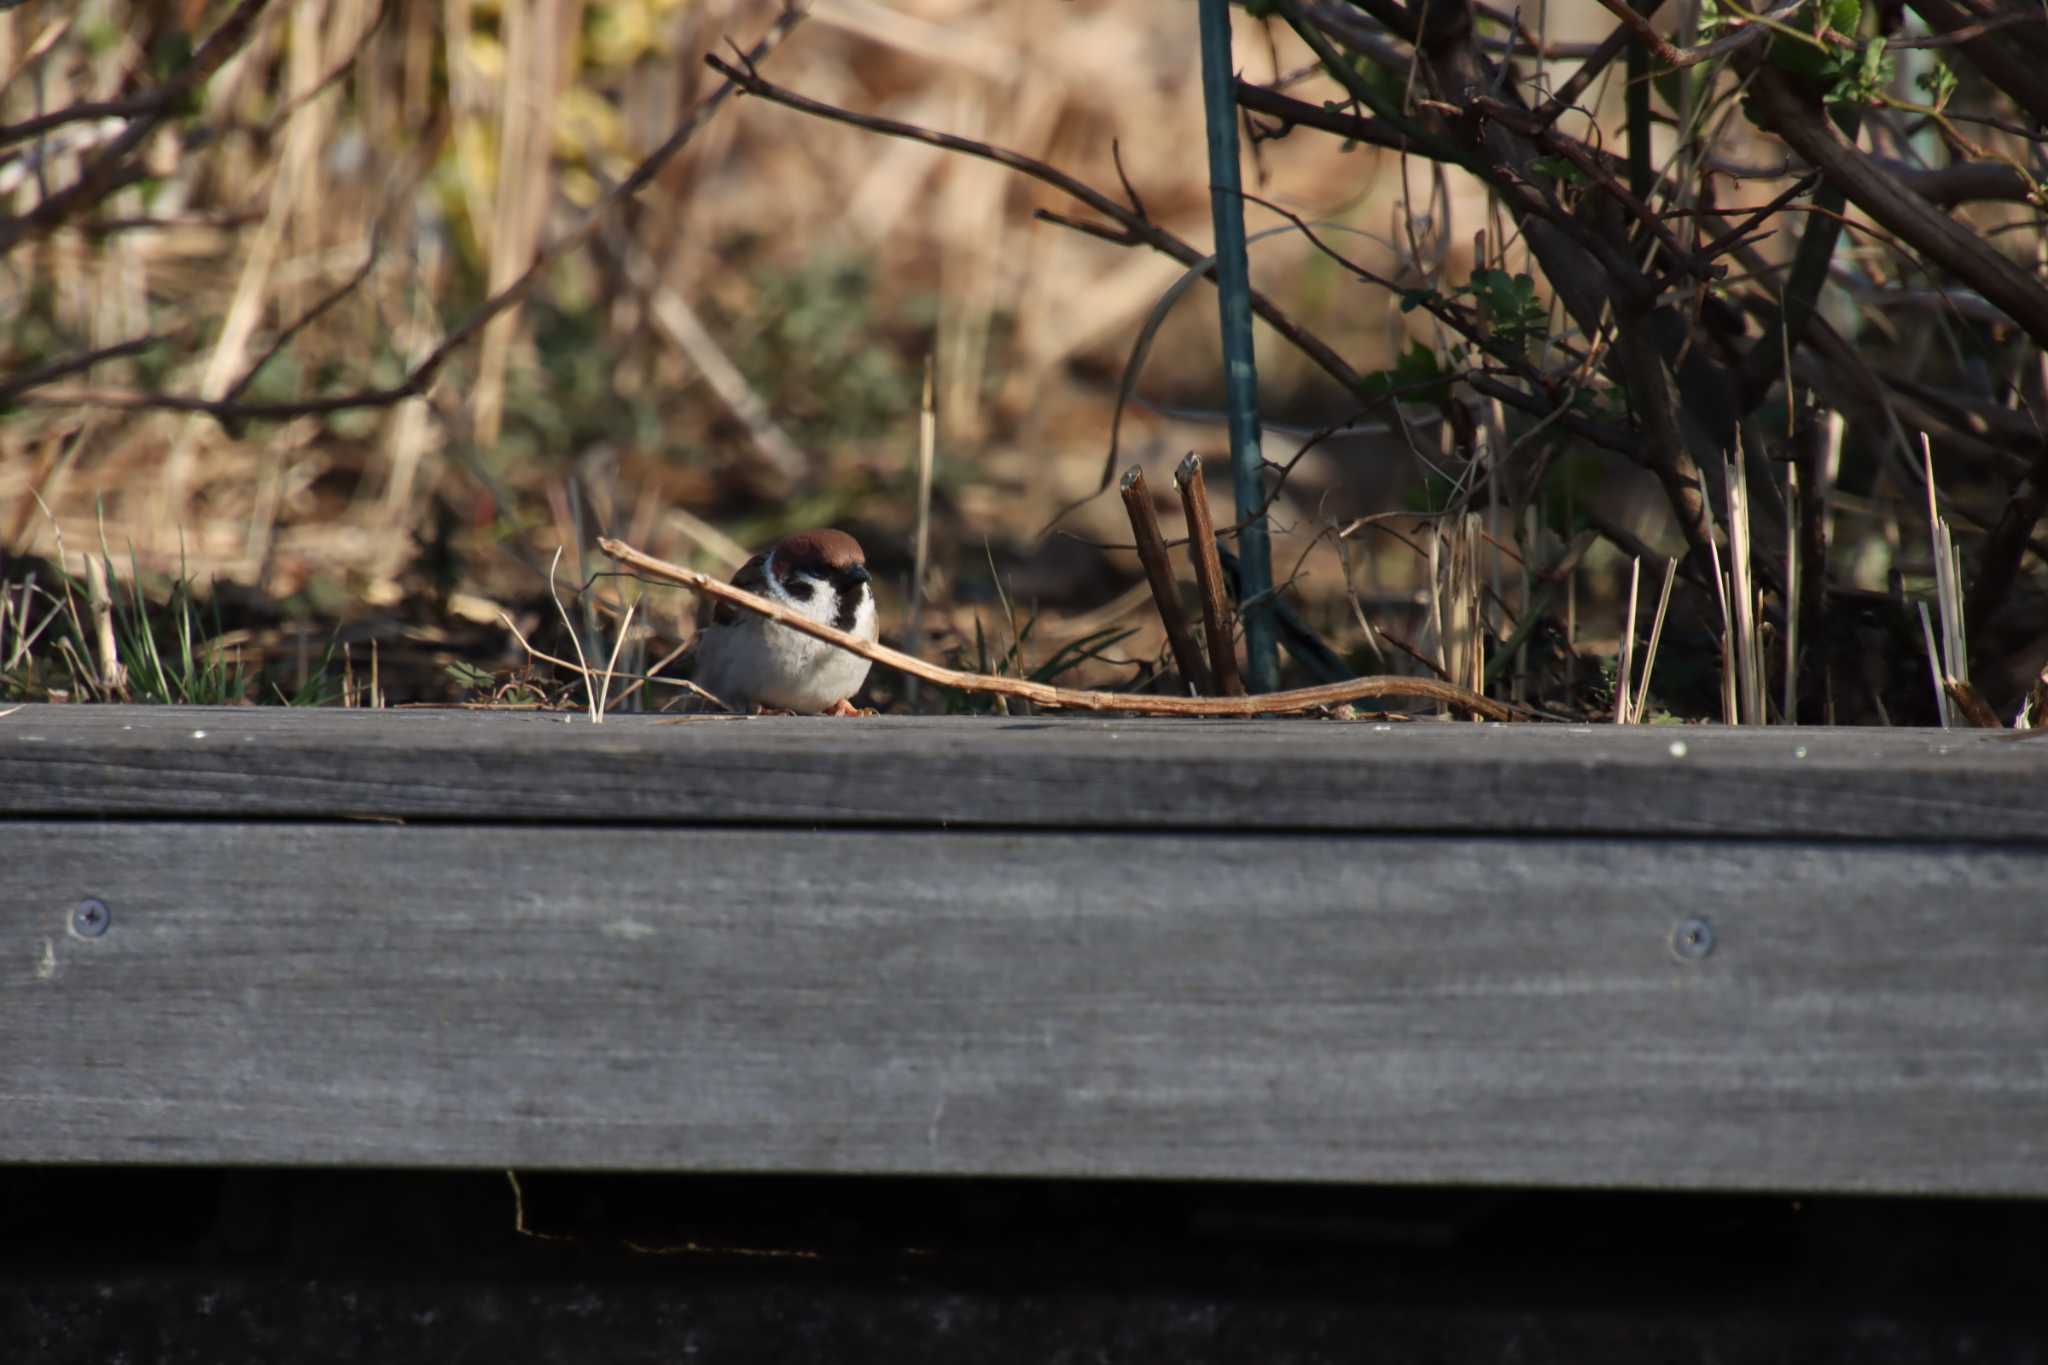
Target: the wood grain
pixel 1035 772
pixel 1307 1007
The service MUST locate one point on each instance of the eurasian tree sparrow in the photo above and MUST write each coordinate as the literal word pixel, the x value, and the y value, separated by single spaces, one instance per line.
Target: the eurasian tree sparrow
pixel 746 660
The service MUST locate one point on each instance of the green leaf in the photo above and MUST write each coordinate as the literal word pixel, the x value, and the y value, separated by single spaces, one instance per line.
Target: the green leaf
pixel 468 675
pixel 1939 83
pixel 1416 375
pixel 1559 169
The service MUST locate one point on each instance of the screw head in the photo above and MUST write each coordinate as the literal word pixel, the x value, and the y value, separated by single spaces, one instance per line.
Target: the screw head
pixel 91 918
pixel 1692 938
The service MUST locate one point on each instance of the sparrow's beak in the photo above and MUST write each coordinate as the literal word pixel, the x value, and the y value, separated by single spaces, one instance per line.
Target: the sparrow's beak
pixel 857 573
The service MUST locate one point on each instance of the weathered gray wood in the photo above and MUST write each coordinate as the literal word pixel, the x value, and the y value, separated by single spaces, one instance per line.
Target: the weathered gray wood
pixel 1409 1009
pixel 1036 772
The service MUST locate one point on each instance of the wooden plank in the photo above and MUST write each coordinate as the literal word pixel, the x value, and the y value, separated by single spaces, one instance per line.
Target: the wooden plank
pixel 1022 773
pixel 1399 1009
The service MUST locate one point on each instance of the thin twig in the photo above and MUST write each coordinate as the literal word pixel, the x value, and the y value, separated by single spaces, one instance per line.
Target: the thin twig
pixel 1064 698
pixel 81 112
pixel 575 640
pixel 1571 149
pixel 305 320
pixel 1141 229
pixel 75 364
pixel 639 680
pixel 1676 58
pixel 1589 70
pixel 335 72
pixel 107 171
pixel 1784 108
pixel 611 664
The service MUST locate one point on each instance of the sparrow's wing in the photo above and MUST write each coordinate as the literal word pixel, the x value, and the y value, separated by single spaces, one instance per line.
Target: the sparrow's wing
pixel 752 577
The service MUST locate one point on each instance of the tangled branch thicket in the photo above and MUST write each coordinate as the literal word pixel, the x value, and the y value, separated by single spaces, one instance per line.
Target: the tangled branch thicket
pixel 357 311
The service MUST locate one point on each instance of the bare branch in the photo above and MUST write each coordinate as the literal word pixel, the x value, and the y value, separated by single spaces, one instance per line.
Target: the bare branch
pixel 1739 235
pixel 1962 182
pixel 1140 228
pixel 1589 70
pixel 75 364
pixel 338 70
pixel 305 320
pixel 104 173
pixel 1293 112
pixel 1783 109
pixel 1745 33
pixel 1663 451
pixel 81 112
pixel 1574 151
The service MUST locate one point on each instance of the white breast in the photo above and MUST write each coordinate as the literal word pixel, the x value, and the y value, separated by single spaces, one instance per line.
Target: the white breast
pixel 755 663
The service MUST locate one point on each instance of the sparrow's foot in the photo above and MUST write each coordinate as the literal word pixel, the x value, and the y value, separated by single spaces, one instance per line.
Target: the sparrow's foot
pixel 844 707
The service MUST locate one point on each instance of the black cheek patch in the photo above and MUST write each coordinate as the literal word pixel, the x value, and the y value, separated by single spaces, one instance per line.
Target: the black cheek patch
pixel 800 588
pixel 849 605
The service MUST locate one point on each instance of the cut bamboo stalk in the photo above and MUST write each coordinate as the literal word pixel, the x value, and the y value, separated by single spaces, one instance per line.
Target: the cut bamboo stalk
pixel 1624 665
pixel 1159 572
pixel 1954 660
pixel 1748 662
pixel 1972 705
pixel 1194 502
pixel 1728 714
pixel 1642 700
pixel 1793 521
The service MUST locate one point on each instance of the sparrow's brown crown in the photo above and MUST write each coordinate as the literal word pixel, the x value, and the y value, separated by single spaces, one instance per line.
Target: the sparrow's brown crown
pixel 822 552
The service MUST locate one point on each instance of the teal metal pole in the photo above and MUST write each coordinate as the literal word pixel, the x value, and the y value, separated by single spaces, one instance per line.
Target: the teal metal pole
pixel 1240 371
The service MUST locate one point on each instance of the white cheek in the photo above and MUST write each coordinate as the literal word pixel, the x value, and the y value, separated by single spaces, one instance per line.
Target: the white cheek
pixel 816 607
pixel 864 616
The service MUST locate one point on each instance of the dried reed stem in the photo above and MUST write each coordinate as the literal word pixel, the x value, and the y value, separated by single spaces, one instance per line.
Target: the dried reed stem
pixel 1626 653
pixel 611 665
pixel 927 457
pixel 1194 502
pixel 113 679
pixel 1159 573
pixel 1064 698
pixel 1642 700
pixel 1728 712
pixel 575 639
pixel 1954 660
pixel 1794 522
pixel 421 377
pixel 1749 670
